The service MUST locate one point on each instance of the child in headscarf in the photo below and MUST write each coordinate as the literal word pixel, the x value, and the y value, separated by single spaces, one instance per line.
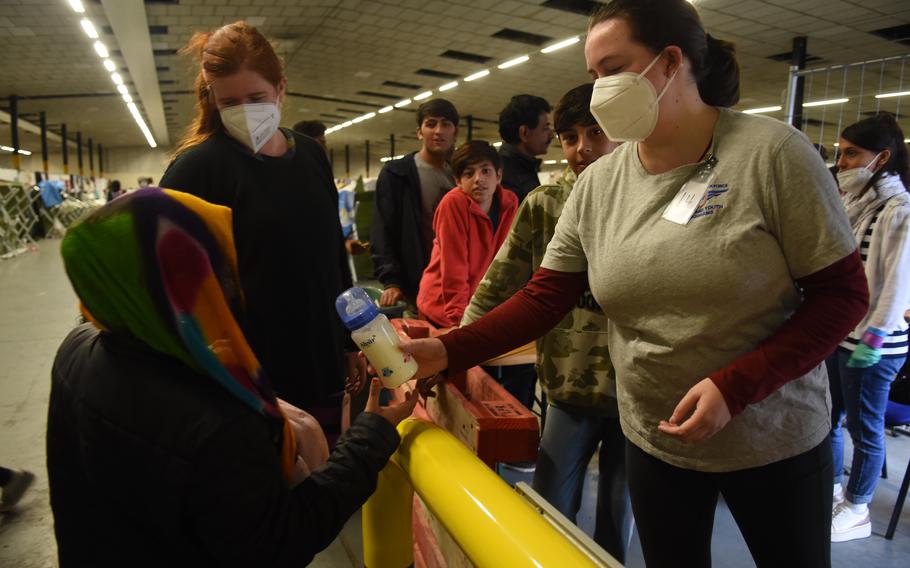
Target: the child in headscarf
pixel 164 434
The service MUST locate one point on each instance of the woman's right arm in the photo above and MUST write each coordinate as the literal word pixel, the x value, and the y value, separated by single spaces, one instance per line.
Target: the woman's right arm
pixel 527 315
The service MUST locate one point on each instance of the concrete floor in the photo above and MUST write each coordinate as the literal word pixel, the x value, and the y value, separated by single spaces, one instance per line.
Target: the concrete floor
pixel 38 308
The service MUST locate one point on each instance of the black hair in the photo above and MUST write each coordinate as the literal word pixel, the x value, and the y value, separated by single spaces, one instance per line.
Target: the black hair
pixel 522 110
pixel 876 134
pixel 114 185
pixel 574 109
pixel 311 128
pixel 437 107
pixel 662 23
pixel 822 151
pixel 474 152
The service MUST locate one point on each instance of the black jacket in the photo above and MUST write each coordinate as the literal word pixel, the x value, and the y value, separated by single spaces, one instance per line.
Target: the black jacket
pixel 291 257
pixel 152 464
pixel 398 248
pixel 519 172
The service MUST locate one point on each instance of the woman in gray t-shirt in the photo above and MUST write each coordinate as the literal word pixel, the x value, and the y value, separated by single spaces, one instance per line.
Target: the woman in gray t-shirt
pixel 716 245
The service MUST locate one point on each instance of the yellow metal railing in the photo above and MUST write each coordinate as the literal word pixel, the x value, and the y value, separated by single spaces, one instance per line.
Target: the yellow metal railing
pixel 493 525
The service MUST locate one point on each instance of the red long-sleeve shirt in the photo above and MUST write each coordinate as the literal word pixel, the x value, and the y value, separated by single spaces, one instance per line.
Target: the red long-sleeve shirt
pixel 463 249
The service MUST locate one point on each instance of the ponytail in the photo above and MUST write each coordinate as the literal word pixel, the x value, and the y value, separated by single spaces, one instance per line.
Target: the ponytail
pixel 720 84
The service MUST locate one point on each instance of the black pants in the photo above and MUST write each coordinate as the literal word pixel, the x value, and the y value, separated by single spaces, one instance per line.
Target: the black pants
pixel 783 509
pixel 5 476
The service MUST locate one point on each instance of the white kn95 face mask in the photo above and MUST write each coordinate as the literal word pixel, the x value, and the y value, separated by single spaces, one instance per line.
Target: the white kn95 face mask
pixel 853 181
pixel 252 124
pixel 625 104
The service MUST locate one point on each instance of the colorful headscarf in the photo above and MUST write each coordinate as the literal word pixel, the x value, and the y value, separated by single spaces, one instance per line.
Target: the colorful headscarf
pixel 161 266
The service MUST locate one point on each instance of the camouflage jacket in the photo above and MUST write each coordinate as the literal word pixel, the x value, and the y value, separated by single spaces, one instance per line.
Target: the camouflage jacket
pixel 573 364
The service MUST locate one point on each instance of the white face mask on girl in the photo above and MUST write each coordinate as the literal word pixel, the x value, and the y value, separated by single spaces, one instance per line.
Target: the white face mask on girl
pixel 625 104
pixel 853 181
pixel 252 124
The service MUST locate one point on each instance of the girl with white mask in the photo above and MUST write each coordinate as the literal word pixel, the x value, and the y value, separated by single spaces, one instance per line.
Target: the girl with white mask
pixel 279 184
pixel 873 174
pixel 716 244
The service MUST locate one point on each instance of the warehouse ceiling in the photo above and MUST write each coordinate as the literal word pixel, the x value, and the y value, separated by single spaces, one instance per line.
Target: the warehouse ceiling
pixel 346 58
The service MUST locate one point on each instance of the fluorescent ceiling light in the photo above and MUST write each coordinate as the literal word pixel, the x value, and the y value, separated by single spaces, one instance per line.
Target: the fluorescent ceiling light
pixel 549 162
pixel 823 103
pixel 127 98
pixel 560 45
pixel 563 161
pixel 11 149
pixel 403 103
pixel 836 145
pixel 134 110
pixel 346 124
pixel 889 95
pixel 77 6
pixel 497 144
pixel 423 95
pixel 123 90
pixel 762 109
pixel 478 75
pixel 116 78
pixel 448 86
pixel 385 109
pixel 109 65
pixel 513 62
pixel 364 117
pixel 89 28
pixel 101 50
pixel 906 140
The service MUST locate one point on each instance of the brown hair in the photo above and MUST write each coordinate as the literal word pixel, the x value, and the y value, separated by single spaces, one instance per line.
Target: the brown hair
pixel 661 23
pixel 221 53
pixel 472 153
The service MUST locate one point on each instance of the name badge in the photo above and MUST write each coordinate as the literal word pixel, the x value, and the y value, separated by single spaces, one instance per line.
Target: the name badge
pixel 685 203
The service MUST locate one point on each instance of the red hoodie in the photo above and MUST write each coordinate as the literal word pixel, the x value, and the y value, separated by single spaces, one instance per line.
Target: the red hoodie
pixel 463 249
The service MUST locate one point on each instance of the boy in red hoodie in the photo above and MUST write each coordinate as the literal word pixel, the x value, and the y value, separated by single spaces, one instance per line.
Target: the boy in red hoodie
pixel 471 223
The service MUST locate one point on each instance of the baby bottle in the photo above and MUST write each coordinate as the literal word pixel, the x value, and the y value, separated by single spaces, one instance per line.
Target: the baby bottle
pixel 375 336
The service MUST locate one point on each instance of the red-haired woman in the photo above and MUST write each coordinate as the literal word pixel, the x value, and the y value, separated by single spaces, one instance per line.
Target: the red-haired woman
pixel 279 184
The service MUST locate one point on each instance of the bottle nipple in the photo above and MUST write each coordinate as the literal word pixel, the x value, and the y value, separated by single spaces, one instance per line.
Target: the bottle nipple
pixel 355 307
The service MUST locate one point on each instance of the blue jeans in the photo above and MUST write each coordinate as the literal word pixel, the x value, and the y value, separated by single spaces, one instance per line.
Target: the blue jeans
pixel 568 441
pixel 861 395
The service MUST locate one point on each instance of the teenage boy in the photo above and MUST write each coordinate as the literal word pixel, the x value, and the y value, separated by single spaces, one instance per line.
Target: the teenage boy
pixel 573 363
pixel 524 125
pixel 471 223
pixel 407 193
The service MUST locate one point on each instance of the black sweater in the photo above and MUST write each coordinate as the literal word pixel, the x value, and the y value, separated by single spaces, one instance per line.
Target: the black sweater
pixel 152 464
pixel 291 256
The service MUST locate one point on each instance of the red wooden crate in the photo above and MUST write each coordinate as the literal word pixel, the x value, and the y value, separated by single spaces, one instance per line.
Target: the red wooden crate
pixel 479 411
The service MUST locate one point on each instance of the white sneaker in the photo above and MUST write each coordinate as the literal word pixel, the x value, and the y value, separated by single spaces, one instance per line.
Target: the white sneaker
pixel 847 525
